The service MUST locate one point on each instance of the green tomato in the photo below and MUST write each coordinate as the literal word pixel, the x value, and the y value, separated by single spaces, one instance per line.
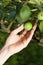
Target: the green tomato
pixel 41 26
pixel 25 12
pixel 28 26
pixel 40 16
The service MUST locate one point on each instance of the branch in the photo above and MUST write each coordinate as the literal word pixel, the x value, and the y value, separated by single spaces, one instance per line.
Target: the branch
pixel 10 25
pixel 4 29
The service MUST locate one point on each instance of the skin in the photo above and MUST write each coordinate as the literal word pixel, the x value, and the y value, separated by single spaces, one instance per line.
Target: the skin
pixel 15 43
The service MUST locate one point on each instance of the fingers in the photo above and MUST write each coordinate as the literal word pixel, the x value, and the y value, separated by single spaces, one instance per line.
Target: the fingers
pixel 31 33
pixel 18 29
pixel 26 36
pixel 35 26
pixel 23 34
pixel 15 48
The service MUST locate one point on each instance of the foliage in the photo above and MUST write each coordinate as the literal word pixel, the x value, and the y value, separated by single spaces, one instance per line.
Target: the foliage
pixel 24 14
pixel 12 14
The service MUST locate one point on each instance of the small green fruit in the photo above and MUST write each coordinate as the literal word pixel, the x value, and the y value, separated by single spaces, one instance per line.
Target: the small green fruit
pixel 40 16
pixel 28 26
pixel 41 26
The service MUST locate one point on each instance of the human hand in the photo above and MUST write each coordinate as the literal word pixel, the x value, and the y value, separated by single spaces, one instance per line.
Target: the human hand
pixel 16 43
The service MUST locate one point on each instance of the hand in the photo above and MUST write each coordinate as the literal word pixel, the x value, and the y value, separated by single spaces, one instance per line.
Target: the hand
pixel 19 41
pixel 15 42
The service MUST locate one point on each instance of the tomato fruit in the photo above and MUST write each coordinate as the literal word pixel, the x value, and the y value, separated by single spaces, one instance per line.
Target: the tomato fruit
pixel 41 26
pixel 28 26
pixel 40 16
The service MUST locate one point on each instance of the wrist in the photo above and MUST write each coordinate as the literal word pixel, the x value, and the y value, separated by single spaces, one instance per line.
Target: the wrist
pixel 4 55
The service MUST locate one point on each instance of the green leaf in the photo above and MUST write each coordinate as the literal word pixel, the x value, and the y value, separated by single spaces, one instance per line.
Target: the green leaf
pixel 5 2
pixel 24 14
pixel 36 1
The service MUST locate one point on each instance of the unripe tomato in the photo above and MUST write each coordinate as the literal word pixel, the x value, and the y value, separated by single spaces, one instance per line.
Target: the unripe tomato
pixel 41 26
pixel 28 26
pixel 40 16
